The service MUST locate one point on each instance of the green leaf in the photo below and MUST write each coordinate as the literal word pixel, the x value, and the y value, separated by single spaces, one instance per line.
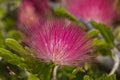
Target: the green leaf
pixel 86 77
pixel 45 71
pixel 106 77
pixel 3 1
pixel 102 48
pixel 14 34
pixel 11 58
pixel 42 70
pixel 103 77
pixel 32 77
pixel 2 13
pixel 105 32
pixel 2 44
pixel 99 42
pixel 9 23
pixel 63 13
pixel 117 33
pixel 76 70
pixel 2 77
pixel 13 44
pixel 93 33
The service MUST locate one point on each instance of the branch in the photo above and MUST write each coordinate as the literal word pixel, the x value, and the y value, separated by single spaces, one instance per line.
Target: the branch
pixel 116 61
pixel 55 73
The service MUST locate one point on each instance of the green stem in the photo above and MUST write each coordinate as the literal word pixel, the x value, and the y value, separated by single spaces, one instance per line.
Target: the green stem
pixel 55 72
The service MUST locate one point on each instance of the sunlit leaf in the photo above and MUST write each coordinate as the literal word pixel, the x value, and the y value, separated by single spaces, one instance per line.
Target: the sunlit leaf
pixel 105 32
pixel 32 77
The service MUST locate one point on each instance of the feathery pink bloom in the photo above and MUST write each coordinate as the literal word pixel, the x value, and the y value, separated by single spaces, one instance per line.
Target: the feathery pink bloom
pixel 27 13
pixel 40 6
pixel 31 13
pixel 99 10
pixel 61 42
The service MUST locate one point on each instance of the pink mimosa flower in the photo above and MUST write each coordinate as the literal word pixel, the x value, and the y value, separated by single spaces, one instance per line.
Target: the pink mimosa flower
pixel 31 13
pixel 61 42
pixel 101 11
pixel 27 13
pixel 40 6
